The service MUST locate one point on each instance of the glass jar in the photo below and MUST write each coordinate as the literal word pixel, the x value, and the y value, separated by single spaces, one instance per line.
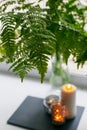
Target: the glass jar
pixel 58 113
pixel 60 74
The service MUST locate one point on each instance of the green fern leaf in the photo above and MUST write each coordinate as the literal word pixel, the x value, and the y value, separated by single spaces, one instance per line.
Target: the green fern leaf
pixel 8 36
pixel 21 67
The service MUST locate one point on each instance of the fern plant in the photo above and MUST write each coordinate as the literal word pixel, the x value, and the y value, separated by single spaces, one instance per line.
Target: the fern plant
pixel 26 42
pixel 30 35
pixel 68 20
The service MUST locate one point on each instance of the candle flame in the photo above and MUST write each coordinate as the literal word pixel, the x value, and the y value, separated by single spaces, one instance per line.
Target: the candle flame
pixel 69 87
pixel 59 118
pixel 50 101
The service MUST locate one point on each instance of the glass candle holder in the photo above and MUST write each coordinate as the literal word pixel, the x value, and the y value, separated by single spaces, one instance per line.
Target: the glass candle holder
pixel 48 101
pixel 58 113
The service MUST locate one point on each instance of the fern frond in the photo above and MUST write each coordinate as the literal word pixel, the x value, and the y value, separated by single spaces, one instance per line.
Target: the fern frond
pixel 39 58
pixel 21 67
pixel 8 36
pixel 36 43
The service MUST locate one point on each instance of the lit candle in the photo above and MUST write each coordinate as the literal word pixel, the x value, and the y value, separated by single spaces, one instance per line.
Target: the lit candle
pixel 58 113
pixel 68 97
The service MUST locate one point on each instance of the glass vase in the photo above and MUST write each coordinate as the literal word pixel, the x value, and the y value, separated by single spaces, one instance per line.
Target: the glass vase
pixel 59 74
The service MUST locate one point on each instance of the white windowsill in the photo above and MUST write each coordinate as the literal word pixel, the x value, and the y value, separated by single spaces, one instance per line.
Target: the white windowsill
pixel 78 77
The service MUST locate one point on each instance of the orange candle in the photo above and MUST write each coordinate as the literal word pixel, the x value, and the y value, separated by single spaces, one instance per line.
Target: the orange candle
pixel 58 113
pixel 68 97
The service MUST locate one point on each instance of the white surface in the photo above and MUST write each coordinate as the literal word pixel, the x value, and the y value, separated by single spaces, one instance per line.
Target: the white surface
pixel 13 92
pixel 77 76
